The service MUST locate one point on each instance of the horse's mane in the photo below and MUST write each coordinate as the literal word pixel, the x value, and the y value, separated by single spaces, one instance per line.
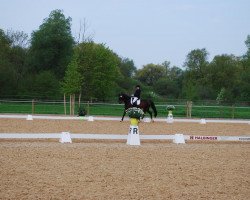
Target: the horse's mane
pixel 123 94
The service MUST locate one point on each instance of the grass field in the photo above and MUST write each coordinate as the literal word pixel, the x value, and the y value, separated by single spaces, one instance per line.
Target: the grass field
pixel 117 109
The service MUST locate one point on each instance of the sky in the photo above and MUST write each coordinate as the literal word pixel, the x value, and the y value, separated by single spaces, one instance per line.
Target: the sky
pixel 146 31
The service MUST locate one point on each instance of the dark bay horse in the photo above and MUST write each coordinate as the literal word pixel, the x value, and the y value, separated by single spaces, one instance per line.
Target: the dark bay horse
pixel 144 105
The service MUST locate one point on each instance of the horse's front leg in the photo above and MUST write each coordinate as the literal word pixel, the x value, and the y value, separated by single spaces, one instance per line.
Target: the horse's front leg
pixel 124 113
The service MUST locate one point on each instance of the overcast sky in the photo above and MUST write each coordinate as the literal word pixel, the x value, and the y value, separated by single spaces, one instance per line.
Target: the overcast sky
pixel 146 31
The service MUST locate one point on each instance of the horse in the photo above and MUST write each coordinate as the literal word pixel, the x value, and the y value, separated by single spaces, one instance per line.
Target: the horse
pixel 144 105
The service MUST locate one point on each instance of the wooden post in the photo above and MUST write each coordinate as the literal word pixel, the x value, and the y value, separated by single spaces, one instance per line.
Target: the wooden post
pixel 189 109
pixel 222 111
pixel 70 104
pixel 191 104
pixel 33 106
pixel 88 108
pixel 64 101
pixel 233 111
pixel 79 100
pixel 73 105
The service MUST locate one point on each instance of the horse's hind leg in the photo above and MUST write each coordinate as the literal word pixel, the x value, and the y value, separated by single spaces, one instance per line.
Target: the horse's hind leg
pixel 151 116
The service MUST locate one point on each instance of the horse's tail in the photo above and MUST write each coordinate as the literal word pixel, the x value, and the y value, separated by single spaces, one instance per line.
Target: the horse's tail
pixel 153 107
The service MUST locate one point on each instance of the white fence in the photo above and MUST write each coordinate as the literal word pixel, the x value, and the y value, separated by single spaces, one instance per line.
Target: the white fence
pixel 119 137
pixel 31 117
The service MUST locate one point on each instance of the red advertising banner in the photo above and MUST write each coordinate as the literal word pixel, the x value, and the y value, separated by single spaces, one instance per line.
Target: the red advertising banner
pixel 194 137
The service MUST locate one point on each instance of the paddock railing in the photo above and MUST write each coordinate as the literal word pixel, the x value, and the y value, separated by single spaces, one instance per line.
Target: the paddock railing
pixel 115 109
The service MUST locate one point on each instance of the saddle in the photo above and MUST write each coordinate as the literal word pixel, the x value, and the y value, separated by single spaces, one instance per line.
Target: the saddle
pixel 135 101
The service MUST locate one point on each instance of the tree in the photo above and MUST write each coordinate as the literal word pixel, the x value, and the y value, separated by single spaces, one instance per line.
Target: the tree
pixel 43 85
pixel 245 74
pixel 244 84
pixel 18 59
pixel 5 72
pixel 72 83
pixel 195 76
pixel 190 90
pixel 52 45
pixel 224 72
pixel 12 63
pixel 127 67
pixel 150 74
pixel 171 84
pixel 18 38
pixel 125 80
pixel 196 63
pixel 82 35
pixel 175 73
pixel 5 42
pixel 99 67
pixel 72 80
pixel 166 64
pixel 247 42
pixel 167 88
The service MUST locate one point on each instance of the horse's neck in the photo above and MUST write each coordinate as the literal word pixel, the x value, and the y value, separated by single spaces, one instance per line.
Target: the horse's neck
pixel 126 100
pixel 127 97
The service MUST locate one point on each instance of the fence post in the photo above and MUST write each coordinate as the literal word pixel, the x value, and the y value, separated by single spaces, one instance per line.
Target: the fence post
pixel 64 103
pixel 222 111
pixel 73 104
pixel 88 108
pixel 233 111
pixel 70 104
pixel 33 106
pixel 189 109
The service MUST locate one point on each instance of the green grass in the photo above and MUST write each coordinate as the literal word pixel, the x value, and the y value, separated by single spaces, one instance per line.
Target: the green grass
pixel 117 110
pixel 105 109
pixel 210 112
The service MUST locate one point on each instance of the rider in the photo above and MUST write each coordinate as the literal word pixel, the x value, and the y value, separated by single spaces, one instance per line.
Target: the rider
pixel 135 99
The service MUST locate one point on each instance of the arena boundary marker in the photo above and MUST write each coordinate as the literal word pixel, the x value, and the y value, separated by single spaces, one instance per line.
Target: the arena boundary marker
pixel 86 118
pixel 244 138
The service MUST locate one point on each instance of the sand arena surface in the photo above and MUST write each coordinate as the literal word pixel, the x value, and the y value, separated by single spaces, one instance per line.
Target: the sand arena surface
pixel 96 169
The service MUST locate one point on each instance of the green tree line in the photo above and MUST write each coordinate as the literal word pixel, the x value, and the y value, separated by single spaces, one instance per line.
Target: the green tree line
pixel 51 63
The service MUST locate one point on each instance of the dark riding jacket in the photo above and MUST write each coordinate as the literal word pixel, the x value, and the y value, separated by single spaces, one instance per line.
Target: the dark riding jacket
pixel 138 93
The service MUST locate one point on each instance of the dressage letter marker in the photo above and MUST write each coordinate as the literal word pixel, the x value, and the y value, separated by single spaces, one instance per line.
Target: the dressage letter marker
pixel 203 121
pixel 179 139
pixel 133 134
pixel 29 117
pixel 65 138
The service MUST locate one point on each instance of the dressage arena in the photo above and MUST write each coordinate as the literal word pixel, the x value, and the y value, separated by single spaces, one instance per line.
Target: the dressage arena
pixel 111 169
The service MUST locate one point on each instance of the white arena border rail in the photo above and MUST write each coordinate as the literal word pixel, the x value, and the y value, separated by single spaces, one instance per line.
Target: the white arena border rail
pixel 117 137
pixel 244 138
pixel 52 117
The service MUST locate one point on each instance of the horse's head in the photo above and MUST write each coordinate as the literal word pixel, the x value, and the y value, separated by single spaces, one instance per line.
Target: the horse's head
pixel 120 98
pixel 123 98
